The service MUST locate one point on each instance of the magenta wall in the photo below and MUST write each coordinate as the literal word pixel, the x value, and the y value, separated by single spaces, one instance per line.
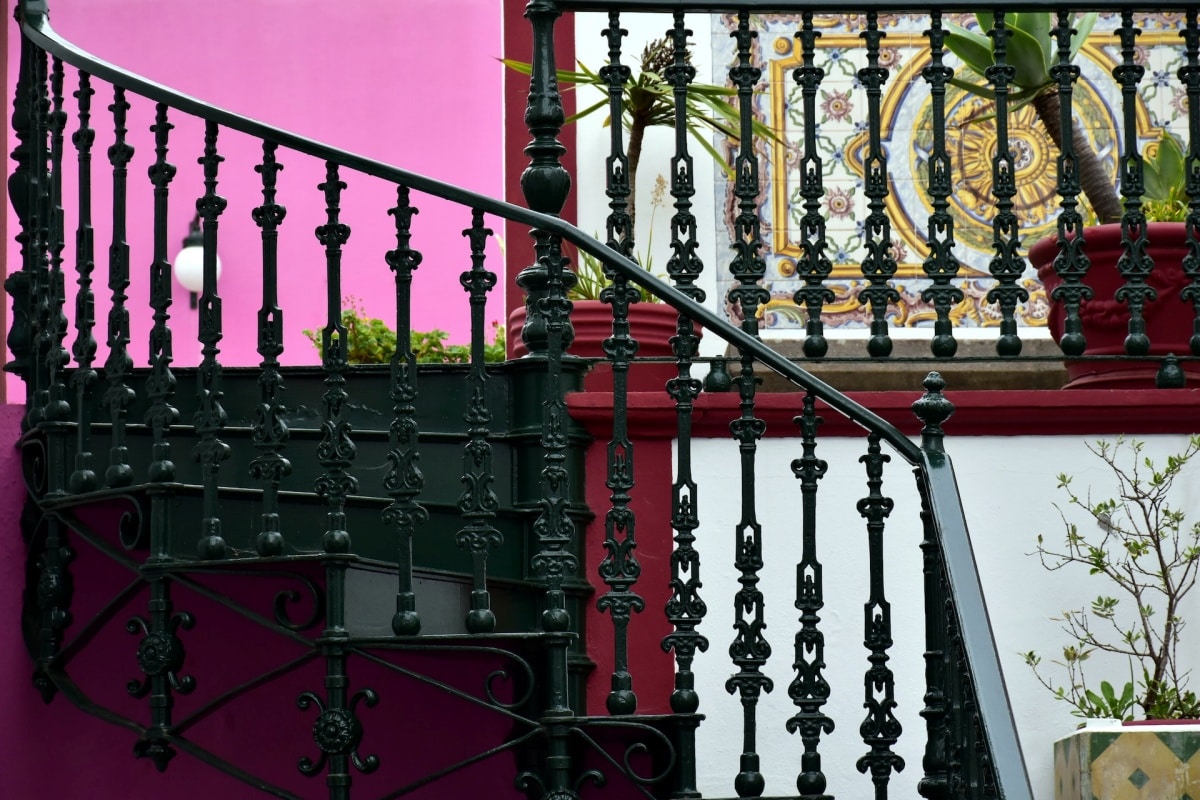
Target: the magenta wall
pixel 366 76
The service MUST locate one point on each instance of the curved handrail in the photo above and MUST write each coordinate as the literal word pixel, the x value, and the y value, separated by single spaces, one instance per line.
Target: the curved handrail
pixel 39 31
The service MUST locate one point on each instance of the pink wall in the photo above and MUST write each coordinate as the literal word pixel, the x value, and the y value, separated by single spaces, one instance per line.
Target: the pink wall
pixel 368 77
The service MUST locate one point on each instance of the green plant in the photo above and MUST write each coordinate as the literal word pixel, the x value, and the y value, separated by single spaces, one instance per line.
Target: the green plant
pixel 370 341
pixel 591 277
pixel 1149 552
pixel 649 101
pixel 1030 52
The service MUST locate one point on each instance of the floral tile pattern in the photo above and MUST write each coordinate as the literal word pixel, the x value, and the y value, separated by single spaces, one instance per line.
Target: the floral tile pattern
pixel 906 134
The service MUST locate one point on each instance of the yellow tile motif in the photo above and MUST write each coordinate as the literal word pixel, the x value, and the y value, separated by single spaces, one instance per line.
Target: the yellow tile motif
pixel 1136 765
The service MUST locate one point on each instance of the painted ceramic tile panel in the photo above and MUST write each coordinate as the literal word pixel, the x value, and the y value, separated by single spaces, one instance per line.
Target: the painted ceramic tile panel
pixel 906 132
pixel 1128 765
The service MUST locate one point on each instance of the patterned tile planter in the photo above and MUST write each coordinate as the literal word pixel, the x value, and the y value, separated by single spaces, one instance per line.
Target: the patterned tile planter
pixel 1110 761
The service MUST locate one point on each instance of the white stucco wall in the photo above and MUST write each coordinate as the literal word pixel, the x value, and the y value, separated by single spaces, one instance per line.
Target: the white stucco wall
pixel 1009 489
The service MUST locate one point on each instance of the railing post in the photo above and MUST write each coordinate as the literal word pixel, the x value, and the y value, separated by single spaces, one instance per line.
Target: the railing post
pixel 545 182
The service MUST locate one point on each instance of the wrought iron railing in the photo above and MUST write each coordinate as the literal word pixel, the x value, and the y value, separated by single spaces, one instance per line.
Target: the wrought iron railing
pixel 278 495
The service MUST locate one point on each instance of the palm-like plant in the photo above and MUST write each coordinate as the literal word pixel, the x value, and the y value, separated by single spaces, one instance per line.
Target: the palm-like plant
pixel 649 101
pixel 1029 52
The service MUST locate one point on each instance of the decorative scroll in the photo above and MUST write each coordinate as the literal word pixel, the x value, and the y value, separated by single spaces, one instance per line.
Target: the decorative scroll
pixel 478 503
pixel 337 733
pixel 270 432
pixel 404 480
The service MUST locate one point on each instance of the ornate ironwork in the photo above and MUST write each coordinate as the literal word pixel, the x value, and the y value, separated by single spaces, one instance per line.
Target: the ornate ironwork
pixel 941 265
pixel 270 432
pixel 809 691
pixel 1071 263
pixel 1135 263
pixel 1189 76
pixel 160 383
pixel 404 480
pixel 119 366
pixel 337 733
pixel 880 730
pixel 880 264
pixel 478 503
pixel 160 652
pixel 209 418
pixel 57 410
pixel 1007 266
pixel 336 450
pixel 83 478
pixel 22 194
pixel 55 589
pixel 813 265
pixel 37 242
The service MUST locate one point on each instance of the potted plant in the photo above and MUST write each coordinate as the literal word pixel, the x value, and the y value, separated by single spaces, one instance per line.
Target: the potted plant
pixel 1141 544
pixel 1103 317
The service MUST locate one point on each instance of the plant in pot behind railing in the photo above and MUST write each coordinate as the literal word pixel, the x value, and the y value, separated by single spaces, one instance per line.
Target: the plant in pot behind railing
pixel 1105 319
pixel 1143 546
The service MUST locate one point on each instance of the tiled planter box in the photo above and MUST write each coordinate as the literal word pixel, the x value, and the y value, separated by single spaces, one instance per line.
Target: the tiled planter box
pixel 1111 761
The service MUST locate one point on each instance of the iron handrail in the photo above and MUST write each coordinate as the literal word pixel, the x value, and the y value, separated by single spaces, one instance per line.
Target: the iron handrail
pixel 934 467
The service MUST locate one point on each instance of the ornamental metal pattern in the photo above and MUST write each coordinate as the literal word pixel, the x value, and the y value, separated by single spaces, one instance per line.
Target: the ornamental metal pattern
pixel 880 730
pixel 1071 263
pixel 941 265
pixel 1189 76
pixel 119 366
pixel 83 478
pixel 404 480
pixel 22 195
pixel 270 431
pixel 879 265
pixel 38 199
pixel 1006 267
pixel 209 418
pixel 809 690
pixel 813 266
pixel 1135 263
pixel 336 450
pixel 57 411
pixel 477 503
pixel 160 383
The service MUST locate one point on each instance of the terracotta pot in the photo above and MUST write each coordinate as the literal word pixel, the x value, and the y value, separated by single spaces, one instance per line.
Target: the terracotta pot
pixel 651 324
pixel 1105 320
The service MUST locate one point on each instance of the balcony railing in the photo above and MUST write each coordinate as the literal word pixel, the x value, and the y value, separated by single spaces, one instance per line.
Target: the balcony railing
pixel 189 491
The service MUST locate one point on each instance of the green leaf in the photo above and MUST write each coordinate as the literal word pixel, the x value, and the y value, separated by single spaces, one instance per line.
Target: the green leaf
pixel 973 49
pixel 1028 56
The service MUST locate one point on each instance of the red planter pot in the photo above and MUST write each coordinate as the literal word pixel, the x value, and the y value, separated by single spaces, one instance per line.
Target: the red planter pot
pixel 1105 320
pixel 651 324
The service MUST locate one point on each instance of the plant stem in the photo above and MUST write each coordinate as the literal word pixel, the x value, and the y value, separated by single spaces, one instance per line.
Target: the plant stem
pixel 1097 186
pixel 637 130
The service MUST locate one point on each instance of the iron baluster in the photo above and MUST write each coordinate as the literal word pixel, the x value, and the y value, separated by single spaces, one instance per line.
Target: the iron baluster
pixel 749 650
pixel 933 409
pixel 879 266
pixel 1135 264
pixel 160 383
pixel 545 183
pixel 404 480
pixel 478 503
pixel 685 609
pixel 119 366
pixel 1071 263
pixel 1189 76
pixel 809 690
pixel 39 243
pixel 813 265
pixel 57 412
pixel 270 432
pixel 618 182
pixel 209 418
pixel 1007 265
pixel 22 195
pixel 83 479
pixel 941 265
pixel 880 730
pixel 336 451
pixel 555 532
